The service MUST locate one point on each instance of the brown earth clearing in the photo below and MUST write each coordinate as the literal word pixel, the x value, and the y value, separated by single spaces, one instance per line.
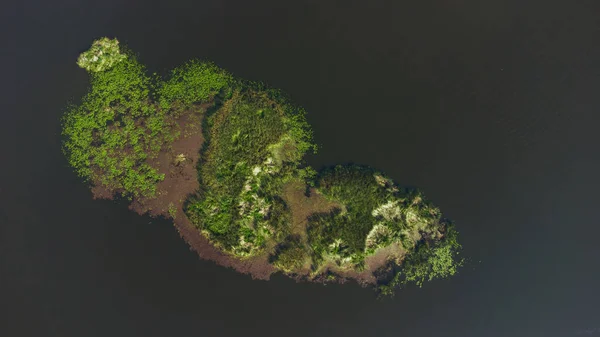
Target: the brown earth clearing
pixel 179 162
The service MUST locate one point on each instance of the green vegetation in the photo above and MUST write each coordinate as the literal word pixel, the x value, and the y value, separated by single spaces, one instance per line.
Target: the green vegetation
pixel 194 82
pixel 291 255
pixel 256 142
pixel 430 260
pixel 103 54
pixel 341 234
pixel 257 198
pixel 374 214
pixel 172 210
pixel 113 135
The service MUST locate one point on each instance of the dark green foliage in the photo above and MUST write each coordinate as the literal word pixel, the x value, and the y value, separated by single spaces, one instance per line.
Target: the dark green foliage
pixel 103 54
pixel 389 289
pixel 374 213
pixel 255 144
pixel 290 255
pixel 255 141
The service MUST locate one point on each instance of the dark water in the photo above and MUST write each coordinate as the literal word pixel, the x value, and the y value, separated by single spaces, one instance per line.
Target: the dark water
pixel 491 107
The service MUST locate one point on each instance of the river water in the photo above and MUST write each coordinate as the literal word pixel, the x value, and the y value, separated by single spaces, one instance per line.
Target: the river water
pixel 491 107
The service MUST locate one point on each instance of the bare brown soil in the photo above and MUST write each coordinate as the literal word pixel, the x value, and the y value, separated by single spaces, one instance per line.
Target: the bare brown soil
pixel 302 206
pixel 178 164
pixel 180 182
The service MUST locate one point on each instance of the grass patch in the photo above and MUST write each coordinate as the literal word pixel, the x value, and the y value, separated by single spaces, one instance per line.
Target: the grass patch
pixel 116 128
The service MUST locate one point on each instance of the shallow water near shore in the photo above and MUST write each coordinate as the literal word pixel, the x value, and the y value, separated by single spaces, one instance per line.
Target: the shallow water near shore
pixel 491 108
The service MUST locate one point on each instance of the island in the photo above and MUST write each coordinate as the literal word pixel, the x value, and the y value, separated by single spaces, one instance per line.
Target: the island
pixel 223 158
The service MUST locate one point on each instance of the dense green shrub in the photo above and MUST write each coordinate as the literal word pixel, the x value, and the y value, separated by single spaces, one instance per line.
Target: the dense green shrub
pixel 290 255
pixel 431 260
pixel 193 82
pixel 111 137
pixel 374 213
pixel 255 144
pixel 115 129
pixel 341 235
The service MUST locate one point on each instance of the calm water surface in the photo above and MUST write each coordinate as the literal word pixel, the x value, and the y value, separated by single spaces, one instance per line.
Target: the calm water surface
pixel 491 107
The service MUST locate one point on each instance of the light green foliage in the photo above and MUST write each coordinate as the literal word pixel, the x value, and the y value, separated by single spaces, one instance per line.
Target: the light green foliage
pixel 103 54
pixel 110 136
pixel 255 144
pixel 172 210
pixel 374 214
pixel 194 82
pixel 389 289
pixel 433 260
pixel 430 260
pixel 255 141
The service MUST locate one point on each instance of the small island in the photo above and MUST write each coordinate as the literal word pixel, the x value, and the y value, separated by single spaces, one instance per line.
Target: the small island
pixel 224 159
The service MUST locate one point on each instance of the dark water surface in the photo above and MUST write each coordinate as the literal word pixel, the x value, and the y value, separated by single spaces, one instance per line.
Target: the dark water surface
pixel 491 107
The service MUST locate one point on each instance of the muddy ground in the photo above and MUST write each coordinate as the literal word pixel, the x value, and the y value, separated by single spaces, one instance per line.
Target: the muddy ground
pixel 178 164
